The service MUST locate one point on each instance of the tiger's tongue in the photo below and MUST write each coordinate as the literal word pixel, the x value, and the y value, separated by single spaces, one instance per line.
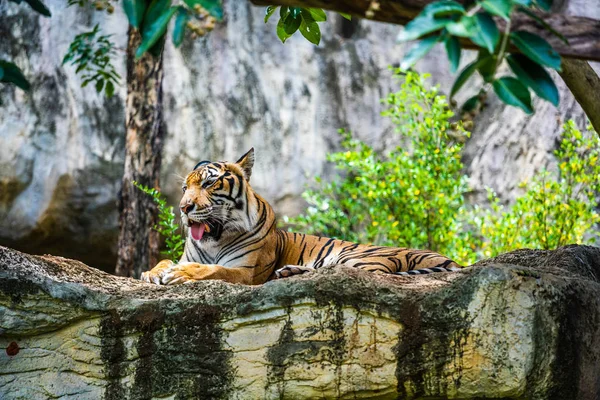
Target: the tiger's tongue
pixel 197 230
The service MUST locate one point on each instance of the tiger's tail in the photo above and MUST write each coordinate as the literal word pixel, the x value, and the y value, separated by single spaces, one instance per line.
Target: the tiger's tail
pixel 423 271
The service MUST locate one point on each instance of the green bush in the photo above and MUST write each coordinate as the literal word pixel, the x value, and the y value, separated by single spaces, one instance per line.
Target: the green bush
pixel 167 227
pixel 557 208
pixel 414 196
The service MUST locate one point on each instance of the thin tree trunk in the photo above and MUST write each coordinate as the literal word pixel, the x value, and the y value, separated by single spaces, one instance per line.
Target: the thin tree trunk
pixel 584 83
pixel 138 242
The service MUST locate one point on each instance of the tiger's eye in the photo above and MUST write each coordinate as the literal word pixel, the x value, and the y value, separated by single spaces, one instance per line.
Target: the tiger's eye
pixel 183 189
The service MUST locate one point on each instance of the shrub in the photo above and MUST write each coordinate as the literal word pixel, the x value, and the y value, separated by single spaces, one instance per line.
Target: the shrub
pixel 557 208
pixel 412 196
pixel 167 227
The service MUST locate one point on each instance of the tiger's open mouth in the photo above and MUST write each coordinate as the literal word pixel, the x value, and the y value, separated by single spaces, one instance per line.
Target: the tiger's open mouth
pixel 209 228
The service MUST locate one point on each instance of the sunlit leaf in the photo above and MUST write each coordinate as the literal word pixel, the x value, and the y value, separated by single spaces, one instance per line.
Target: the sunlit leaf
pixel 310 29
pixel 269 12
pixel 317 14
pixel 536 48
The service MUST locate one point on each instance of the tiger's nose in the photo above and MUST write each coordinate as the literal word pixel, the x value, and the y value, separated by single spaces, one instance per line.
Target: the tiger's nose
pixel 187 208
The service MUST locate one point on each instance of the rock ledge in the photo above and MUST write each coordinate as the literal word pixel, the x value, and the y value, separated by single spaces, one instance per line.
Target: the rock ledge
pixel 523 325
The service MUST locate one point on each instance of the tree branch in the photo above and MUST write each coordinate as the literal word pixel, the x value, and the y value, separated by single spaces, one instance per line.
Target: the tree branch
pixel 582 33
pixel 584 83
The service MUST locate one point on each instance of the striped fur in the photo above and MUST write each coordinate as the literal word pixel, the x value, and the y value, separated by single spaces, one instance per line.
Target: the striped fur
pixel 242 245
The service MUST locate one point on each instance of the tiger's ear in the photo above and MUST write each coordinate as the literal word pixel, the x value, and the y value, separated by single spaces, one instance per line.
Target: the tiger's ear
pixel 247 162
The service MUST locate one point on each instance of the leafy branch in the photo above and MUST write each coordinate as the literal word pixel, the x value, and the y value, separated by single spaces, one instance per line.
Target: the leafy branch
pixel 293 19
pixel 448 21
pixel 167 227
pixel 91 53
pixel 199 16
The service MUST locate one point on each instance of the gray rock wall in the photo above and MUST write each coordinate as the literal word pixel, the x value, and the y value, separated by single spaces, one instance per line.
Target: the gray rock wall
pixel 61 146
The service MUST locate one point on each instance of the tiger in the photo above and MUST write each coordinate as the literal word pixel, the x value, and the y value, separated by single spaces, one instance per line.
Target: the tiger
pixel 232 235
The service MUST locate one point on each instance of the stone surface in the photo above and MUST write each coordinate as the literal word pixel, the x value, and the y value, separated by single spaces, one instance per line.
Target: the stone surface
pixel 524 325
pixel 62 146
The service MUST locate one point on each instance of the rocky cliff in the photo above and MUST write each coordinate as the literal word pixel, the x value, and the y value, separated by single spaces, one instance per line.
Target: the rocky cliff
pixel 524 325
pixel 62 149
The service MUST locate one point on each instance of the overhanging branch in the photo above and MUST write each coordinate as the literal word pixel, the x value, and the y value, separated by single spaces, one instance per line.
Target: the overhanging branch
pixel 582 33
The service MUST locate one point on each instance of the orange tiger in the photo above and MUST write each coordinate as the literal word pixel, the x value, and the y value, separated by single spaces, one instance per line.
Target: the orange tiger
pixel 232 236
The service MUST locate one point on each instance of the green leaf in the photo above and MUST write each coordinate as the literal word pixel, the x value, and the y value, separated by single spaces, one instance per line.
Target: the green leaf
pixel 443 8
pixel 12 74
pixel 134 9
pixel 464 76
pixel 292 23
pixel 179 29
pixel 38 6
pixel 99 85
pixel 513 93
pixel 545 5
pixel 347 16
pixel 486 65
pixel 281 33
pixel 534 76
pixel 1 73
pixel 487 36
pixel 470 104
pixel 454 52
pixel 310 29
pixel 154 30
pixel 536 49
pixel 269 12
pixel 418 51
pixel 420 26
pixel 110 89
pixel 465 27
pixel 501 8
pixel 155 10
pixel 525 3
pixel 318 14
pixel 283 12
pixel 546 26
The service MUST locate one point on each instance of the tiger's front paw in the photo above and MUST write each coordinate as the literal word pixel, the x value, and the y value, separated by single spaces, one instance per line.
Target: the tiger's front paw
pixel 156 273
pixel 290 270
pixel 180 273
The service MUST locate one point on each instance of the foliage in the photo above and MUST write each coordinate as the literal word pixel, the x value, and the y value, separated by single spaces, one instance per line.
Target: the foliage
pixel 152 20
pixel 91 53
pixel 447 21
pixel 166 224
pixel 9 72
pixel 412 196
pixel 305 20
pixel 556 209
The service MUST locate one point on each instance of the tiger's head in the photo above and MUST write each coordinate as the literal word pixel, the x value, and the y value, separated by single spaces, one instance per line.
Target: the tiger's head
pixel 215 198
